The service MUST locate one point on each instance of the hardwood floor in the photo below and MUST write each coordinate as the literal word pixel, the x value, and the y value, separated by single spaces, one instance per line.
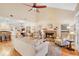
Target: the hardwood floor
pixel 14 53
pixel 65 52
pixel 54 50
pixel 7 49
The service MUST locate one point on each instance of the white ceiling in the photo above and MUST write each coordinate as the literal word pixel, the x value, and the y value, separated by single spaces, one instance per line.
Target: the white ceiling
pixel 66 6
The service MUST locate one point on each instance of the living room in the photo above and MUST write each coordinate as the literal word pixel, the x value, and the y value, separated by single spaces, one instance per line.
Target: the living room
pixel 39 29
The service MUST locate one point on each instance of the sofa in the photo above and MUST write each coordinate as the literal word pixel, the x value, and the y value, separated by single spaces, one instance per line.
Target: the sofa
pixel 28 48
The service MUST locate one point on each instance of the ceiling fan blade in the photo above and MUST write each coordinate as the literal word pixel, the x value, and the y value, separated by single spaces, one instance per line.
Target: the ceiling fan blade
pixel 30 9
pixel 41 6
pixel 28 5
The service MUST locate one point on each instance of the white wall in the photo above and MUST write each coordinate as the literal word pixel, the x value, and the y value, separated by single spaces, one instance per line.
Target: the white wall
pixel 45 16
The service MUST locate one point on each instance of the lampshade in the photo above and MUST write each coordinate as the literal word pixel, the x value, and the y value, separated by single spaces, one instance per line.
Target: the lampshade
pixel 72 33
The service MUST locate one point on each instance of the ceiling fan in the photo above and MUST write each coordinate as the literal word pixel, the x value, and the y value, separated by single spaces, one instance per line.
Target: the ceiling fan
pixel 36 7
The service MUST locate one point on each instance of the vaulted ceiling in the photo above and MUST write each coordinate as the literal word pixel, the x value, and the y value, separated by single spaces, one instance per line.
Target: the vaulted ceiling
pixel 53 10
pixel 67 6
